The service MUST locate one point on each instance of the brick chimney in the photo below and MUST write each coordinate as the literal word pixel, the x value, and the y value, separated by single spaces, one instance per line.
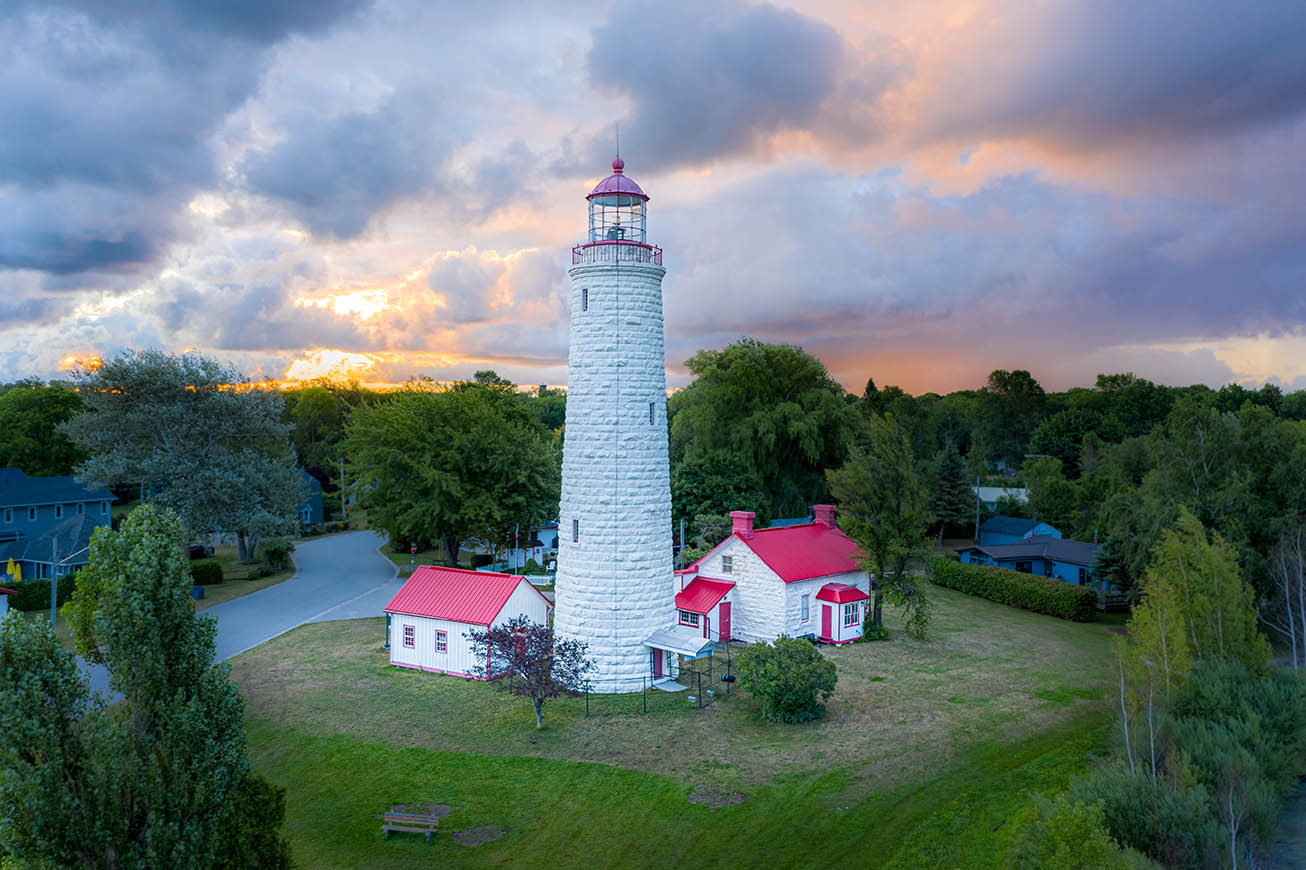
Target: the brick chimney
pixel 742 524
pixel 824 514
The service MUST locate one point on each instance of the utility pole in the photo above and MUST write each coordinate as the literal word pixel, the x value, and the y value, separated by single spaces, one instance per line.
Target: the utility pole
pixel 977 507
pixel 343 516
pixel 54 577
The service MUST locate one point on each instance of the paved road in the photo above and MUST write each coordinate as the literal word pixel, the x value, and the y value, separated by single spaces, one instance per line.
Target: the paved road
pixel 336 577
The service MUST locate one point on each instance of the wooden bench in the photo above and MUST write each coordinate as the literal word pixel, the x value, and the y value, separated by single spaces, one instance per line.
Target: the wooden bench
pixel 411 823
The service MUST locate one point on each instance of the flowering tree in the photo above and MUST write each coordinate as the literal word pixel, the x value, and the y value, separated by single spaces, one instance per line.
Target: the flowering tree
pixel 525 659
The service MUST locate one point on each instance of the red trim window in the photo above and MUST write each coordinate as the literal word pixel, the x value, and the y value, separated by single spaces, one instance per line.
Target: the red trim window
pixel 850 614
pixel 441 641
pixel 410 636
pixel 689 618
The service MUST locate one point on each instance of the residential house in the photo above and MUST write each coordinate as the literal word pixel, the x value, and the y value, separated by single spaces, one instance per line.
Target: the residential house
pixel 428 619
pixel 989 495
pixel 757 584
pixel 1001 529
pixel 310 512
pixel 1044 555
pixel 46 523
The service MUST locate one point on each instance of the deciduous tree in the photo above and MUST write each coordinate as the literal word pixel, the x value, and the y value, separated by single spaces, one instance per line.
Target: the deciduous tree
pixel 525 658
pixel 884 508
pixel 197 436
pixel 30 415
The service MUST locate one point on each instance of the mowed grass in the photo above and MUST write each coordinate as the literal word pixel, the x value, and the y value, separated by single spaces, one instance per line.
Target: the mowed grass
pixel 926 756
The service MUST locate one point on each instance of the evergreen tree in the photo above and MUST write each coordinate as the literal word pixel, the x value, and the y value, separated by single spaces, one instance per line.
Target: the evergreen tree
pixel 952 501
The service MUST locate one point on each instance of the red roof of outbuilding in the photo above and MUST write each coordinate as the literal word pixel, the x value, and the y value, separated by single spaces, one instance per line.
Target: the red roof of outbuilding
pixel 806 551
pixel 841 593
pixel 456 594
pixel 702 594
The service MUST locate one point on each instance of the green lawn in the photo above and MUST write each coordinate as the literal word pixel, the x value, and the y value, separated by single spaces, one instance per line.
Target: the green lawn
pixel 926 756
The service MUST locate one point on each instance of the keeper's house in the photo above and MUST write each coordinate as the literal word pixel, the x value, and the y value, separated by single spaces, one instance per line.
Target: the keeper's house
pixel 758 584
pixel 428 619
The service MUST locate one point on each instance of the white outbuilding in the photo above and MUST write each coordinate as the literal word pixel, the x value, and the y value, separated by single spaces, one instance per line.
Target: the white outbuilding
pixel 428 619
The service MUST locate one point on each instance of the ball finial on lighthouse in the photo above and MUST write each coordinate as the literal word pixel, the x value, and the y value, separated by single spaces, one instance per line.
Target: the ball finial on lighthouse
pixel 615 575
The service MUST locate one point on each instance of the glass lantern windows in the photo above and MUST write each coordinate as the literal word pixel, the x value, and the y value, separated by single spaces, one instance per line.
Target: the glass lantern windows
pixel 618 218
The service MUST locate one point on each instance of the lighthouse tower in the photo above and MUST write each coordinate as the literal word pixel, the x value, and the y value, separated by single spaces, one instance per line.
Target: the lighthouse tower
pixel 615 573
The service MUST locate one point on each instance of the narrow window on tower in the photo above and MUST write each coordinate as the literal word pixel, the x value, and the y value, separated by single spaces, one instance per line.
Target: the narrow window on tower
pixel 650 414
pixel 584 299
pixel 575 530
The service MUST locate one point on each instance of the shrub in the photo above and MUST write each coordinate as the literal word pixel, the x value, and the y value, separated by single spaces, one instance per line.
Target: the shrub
pixel 1170 824
pixel 35 594
pixel 205 572
pixel 1015 589
pixel 790 676
pixel 276 553
pixel 1069 833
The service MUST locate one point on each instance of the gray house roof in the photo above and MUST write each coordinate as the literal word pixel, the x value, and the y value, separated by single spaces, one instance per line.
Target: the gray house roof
pixel 19 490
pixel 1042 547
pixel 73 537
pixel 1005 525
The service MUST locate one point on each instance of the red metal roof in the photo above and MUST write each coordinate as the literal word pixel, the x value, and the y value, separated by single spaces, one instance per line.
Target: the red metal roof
pixel 841 593
pixel 617 182
pixel 702 594
pixel 456 594
pixel 806 551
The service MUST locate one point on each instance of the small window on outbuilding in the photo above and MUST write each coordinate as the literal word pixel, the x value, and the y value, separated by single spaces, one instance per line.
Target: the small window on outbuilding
pixel 689 618
pixel 850 614
pixel 410 636
pixel 104 508
pixel 441 641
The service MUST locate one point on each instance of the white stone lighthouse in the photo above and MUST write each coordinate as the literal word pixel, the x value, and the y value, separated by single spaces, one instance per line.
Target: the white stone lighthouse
pixel 615 573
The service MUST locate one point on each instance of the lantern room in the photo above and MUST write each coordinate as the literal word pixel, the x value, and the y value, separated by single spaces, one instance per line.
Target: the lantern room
pixel 618 228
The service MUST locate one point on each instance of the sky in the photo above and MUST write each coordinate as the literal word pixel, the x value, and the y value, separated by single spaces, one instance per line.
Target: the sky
pixel 914 191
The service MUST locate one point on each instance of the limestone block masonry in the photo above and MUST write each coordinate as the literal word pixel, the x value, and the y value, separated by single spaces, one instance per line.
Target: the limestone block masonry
pixel 613 579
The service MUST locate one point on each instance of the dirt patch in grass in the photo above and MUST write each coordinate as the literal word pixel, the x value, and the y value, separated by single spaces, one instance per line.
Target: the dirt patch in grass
pixel 478 836
pixel 712 796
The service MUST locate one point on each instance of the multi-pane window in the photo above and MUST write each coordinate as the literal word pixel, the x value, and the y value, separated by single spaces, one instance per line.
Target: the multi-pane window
pixel 58 512
pixel 584 299
pixel 104 508
pixel 689 618
pixel 9 515
pixel 575 530
pixel 441 641
pixel 728 564
pixel 1083 576
pixel 410 636
pixel 31 514
pixel 807 607
pixel 850 614
pixel 81 508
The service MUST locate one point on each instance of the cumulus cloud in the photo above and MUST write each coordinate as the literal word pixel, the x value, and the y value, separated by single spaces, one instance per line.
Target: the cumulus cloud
pixel 110 112
pixel 1088 74
pixel 709 81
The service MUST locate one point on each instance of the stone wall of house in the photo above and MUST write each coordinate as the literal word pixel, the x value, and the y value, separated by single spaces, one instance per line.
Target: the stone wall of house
pixel 613 578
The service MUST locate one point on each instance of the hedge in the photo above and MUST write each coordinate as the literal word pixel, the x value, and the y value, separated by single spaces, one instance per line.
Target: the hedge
pixel 1017 589
pixel 205 572
pixel 35 594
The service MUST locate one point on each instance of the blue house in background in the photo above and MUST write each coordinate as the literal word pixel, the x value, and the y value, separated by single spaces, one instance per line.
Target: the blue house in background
pixel 1008 530
pixel 47 518
pixel 1071 561
pixel 310 512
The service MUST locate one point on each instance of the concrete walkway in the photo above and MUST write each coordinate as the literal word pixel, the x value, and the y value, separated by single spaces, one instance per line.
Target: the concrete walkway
pixel 336 577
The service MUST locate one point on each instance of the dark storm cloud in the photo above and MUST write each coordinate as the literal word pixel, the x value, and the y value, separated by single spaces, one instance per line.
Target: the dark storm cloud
pixel 333 174
pixel 110 111
pixel 710 80
pixel 1087 73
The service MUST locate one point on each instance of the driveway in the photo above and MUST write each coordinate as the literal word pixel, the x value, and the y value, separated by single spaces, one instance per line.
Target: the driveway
pixel 336 577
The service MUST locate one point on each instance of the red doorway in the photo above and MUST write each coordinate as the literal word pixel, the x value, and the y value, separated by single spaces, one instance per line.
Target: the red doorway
pixel 723 621
pixel 657 663
pixel 825 622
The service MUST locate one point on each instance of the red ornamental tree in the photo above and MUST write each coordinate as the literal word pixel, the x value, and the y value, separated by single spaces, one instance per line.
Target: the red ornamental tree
pixel 524 658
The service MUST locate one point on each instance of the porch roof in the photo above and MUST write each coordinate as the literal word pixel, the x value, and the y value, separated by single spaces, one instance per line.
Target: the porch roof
pixel 702 594
pixel 688 642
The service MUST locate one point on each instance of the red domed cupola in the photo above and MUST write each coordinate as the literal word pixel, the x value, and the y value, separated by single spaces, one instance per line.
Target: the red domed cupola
pixel 618 229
